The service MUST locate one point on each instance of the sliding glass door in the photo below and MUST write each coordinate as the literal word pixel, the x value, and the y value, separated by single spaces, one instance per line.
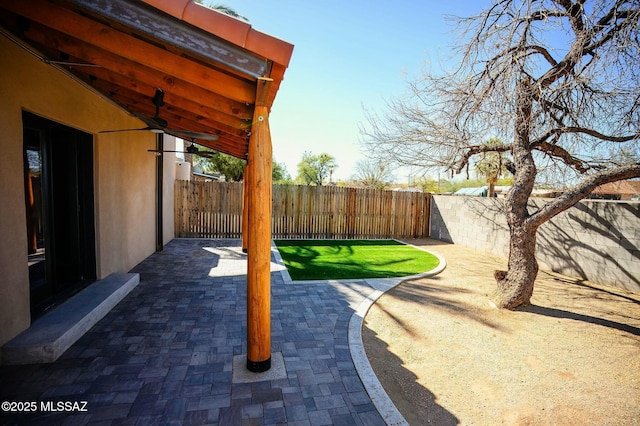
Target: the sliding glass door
pixel 59 201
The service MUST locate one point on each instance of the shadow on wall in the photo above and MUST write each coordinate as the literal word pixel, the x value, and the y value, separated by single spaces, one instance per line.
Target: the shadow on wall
pixel 475 222
pixel 594 240
pixel 491 211
pixel 438 225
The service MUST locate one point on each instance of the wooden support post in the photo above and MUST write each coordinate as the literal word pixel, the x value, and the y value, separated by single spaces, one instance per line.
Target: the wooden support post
pixel 259 186
pixel 245 209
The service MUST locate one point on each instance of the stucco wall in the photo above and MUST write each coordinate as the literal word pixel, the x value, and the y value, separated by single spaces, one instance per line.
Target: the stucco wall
pixel 169 173
pixel 594 240
pixel 124 174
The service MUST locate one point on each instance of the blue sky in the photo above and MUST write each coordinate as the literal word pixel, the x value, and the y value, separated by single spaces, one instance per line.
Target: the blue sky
pixel 347 54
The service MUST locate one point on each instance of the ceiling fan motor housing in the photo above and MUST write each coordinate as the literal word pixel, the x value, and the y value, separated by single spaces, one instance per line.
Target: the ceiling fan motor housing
pixel 158 98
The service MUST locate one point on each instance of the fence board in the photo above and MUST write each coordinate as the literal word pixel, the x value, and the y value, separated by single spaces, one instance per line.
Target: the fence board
pixel 214 210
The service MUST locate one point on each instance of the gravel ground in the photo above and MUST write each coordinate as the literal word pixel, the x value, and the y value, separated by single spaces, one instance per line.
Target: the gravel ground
pixel 445 356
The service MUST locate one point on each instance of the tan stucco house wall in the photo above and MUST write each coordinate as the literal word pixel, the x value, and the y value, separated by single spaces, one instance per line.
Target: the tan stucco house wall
pixel 124 176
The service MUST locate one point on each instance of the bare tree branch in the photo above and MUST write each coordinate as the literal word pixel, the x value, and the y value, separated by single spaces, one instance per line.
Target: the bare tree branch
pixel 580 191
pixel 591 132
pixel 479 149
pixel 559 152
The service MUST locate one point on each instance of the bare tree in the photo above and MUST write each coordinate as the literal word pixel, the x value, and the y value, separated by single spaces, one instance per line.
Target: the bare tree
pixel 374 174
pixel 556 79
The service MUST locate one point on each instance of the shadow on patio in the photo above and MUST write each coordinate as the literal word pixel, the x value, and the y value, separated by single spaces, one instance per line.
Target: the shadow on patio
pixel 165 353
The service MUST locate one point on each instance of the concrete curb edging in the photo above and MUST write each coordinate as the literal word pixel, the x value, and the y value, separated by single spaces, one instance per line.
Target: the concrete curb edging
pixel 380 286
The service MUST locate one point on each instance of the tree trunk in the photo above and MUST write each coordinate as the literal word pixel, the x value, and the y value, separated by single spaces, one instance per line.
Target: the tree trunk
pixel 492 190
pixel 515 286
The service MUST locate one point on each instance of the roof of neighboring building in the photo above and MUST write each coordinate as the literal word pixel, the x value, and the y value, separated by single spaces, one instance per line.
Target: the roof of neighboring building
pixel 624 187
pixel 479 191
pixel 208 65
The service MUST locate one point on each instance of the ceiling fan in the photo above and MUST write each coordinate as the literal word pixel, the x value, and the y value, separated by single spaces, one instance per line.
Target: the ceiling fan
pixel 191 149
pixel 157 124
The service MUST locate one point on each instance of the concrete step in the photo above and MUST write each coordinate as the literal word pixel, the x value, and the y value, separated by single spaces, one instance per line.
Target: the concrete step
pixel 52 334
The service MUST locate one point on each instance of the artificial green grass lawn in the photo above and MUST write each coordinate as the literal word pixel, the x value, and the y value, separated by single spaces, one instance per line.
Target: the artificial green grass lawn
pixel 352 259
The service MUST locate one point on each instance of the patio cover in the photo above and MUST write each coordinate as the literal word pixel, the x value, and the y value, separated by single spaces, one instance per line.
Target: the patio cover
pixel 207 63
pixel 219 77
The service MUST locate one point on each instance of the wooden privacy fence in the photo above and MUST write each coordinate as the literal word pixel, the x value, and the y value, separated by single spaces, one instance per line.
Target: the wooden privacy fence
pixel 214 210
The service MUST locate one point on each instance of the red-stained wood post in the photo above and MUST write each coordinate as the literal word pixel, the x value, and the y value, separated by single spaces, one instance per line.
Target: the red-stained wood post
pixel 259 185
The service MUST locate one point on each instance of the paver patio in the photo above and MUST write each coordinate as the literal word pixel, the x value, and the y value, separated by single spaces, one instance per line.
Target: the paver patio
pixel 164 355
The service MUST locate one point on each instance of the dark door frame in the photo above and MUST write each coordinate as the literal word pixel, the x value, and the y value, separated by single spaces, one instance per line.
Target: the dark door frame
pixel 68 212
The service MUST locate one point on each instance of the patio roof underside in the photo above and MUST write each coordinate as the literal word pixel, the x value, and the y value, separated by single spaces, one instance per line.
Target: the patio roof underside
pixel 207 64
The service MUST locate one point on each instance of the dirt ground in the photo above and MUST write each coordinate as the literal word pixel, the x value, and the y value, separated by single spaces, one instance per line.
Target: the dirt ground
pixel 445 356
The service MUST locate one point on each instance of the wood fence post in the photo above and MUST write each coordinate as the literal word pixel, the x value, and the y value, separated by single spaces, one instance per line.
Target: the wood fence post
pixel 259 236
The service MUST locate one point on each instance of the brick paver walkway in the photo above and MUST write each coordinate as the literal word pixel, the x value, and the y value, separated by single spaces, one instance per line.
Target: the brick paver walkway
pixel 164 355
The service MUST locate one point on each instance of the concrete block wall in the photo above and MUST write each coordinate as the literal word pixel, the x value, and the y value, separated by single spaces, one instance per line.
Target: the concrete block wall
pixel 595 240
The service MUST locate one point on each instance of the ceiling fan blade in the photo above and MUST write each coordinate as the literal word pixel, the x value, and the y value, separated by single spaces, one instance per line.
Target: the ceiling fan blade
pixel 125 130
pixel 192 135
pixel 157 124
pixel 204 154
pixel 158 152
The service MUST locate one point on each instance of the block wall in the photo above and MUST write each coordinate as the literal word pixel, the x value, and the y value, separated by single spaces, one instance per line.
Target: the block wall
pixel 595 240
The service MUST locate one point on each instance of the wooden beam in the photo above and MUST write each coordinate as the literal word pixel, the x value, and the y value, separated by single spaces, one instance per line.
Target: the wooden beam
pixel 177 117
pixel 259 236
pixel 132 48
pixel 235 150
pixel 236 141
pixel 128 73
pixel 182 120
pixel 228 123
